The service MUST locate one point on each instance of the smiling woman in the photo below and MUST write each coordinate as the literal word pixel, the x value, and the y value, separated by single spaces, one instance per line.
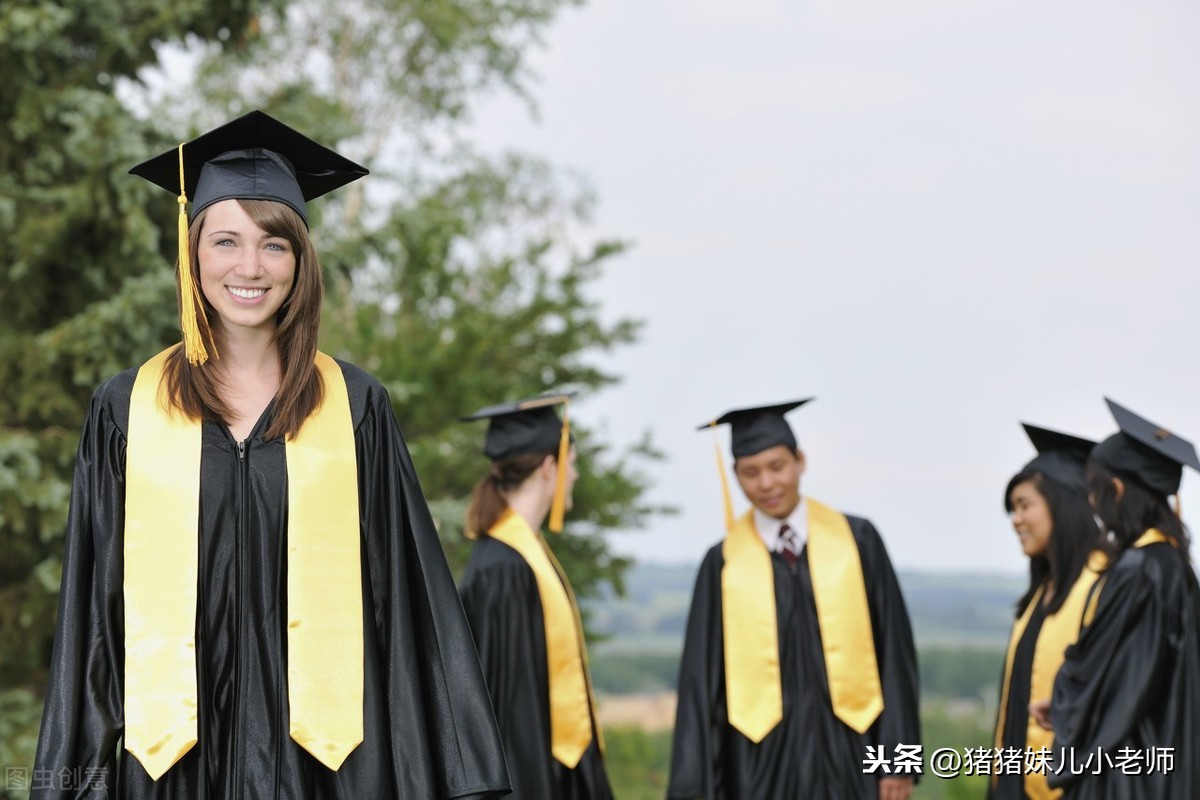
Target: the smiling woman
pixel 254 598
pixel 1048 505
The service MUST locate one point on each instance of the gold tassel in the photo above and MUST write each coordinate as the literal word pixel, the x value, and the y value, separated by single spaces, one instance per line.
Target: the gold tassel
pixel 724 478
pixel 189 294
pixel 558 508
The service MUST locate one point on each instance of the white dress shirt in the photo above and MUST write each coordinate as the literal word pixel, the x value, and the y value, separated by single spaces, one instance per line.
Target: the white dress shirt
pixel 768 528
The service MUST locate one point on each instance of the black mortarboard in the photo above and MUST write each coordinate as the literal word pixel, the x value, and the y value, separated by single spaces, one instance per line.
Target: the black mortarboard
pixel 531 426
pixel 1149 452
pixel 753 430
pixel 1061 457
pixel 525 426
pixel 254 157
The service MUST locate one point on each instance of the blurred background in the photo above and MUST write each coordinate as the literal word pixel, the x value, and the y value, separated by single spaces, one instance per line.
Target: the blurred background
pixel 938 217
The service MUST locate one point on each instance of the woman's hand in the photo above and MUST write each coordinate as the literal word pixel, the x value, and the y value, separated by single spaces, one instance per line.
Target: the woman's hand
pixel 895 788
pixel 1040 711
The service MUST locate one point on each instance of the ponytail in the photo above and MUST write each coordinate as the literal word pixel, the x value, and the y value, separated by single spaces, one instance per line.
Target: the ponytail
pixel 487 504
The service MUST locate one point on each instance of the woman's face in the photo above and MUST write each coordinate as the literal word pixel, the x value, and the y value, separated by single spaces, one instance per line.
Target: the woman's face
pixel 245 274
pixel 1031 519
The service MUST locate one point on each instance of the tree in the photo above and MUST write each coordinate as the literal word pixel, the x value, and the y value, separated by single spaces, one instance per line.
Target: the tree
pixel 457 321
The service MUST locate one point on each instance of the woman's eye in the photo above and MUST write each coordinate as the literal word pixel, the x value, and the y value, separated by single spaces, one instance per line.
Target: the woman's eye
pixel 223 242
pixel 277 247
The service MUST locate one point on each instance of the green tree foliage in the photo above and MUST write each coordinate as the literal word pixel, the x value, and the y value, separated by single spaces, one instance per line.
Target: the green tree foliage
pixel 453 318
pixel 396 67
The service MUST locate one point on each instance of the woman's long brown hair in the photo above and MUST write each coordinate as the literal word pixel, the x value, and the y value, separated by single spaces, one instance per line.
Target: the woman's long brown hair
pixel 196 390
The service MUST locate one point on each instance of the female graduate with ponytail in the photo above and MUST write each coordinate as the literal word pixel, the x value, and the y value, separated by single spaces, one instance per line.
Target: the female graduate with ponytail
pixel 522 610
pixel 1126 703
pixel 254 599
pixel 1047 502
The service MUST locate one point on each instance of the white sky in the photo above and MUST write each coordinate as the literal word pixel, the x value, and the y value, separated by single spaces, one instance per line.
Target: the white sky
pixel 940 217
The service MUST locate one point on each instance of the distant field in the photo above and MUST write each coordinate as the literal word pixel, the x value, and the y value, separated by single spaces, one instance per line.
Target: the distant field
pixel 649 712
pixel 951 673
pixel 961 610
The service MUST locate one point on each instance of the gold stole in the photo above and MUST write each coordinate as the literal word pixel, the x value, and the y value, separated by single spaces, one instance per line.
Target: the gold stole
pixel 1059 630
pixel 1153 536
pixel 325 649
pixel 753 690
pixel 572 706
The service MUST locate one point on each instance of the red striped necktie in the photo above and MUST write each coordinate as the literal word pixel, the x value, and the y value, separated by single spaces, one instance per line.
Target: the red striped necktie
pixel 791 544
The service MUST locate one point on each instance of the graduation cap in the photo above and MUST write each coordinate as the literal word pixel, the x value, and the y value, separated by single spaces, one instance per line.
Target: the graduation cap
pixel 1061 457
pixel 1149 452
pixel 531 426
pixel 254 157
pixel 753 430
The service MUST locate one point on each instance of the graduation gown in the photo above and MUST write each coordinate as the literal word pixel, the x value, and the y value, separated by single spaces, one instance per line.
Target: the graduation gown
pixel 500 596
pixel 811 753
pixel 428 727
pixel 1035 657
pixel 1132 680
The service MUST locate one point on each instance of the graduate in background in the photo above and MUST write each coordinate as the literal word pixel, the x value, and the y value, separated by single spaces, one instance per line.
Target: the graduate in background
pixel 522 611
pixel 254 598
pixel 1131 683
pixel 1047 501
pixel 765 711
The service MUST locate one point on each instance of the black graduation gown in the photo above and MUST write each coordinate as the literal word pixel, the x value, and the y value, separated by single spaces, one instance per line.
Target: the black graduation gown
pixel 1010 784
pixel 429 731
pixel 500 595
pixel 811 753
pixel 1132 680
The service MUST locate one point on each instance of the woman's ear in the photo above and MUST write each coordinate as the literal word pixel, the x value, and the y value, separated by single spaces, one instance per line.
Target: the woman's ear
pixel 1118 488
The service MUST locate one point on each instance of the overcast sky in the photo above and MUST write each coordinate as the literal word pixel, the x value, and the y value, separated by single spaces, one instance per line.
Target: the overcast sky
pixel 939 217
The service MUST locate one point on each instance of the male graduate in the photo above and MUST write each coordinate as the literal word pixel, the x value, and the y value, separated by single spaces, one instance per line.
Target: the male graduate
pixel 799 660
